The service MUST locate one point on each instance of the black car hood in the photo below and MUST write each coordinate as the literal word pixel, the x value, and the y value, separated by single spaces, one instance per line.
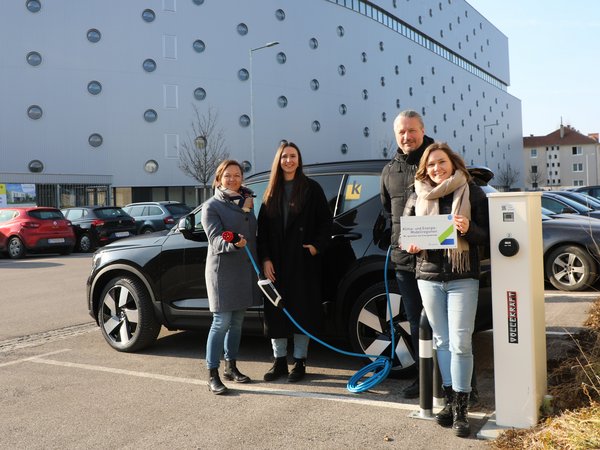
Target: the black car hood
pixel 143 240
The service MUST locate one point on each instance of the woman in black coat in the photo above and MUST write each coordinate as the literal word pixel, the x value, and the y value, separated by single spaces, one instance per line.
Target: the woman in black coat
pixel 294 227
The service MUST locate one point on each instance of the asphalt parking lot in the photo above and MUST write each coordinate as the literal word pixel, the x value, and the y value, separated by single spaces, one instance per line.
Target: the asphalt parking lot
pixel 63 386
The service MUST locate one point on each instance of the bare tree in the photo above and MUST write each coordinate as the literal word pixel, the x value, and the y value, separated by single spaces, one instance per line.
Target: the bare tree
pixel 507 176
pixel 388 147
pixel 204 149
pixel 535 178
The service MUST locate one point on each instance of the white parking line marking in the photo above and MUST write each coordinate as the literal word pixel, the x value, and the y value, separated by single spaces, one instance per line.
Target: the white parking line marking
pixel 249 388
pixel 31 358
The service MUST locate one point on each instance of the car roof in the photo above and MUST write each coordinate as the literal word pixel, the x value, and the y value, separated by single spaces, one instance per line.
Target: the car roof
pixel 162 202
pixel 362 166
pixel 29 208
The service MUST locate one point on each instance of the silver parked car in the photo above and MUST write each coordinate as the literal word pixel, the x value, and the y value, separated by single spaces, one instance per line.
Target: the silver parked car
pixel 156 216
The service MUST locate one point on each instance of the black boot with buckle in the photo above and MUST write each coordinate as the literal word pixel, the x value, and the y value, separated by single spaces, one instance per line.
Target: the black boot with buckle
pixel 232 373
pixel 445 417
pixel 279 369
pixel 214 382
pixel 298 371
pixel 461 425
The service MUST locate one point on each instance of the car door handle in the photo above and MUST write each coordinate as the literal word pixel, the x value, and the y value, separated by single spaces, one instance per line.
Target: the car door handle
pixel 348 236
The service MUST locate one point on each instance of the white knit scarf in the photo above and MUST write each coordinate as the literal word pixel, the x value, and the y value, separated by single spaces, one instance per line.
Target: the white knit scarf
pixel 428 205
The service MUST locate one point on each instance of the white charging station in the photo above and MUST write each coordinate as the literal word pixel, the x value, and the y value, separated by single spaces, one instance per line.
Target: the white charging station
pixel 518 309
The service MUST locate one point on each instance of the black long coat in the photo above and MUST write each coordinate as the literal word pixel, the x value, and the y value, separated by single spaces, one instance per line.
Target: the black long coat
pixel 297 273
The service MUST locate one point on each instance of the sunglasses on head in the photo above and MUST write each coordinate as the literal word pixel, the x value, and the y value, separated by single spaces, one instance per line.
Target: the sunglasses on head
pixel 286 143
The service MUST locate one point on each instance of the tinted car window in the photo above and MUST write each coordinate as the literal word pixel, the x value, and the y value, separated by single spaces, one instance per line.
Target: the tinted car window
pixel 107 213
pixel 47 214
pixel 178 209
pixel 331 187
pixel 359 189
pixel 135 210
pixel 154 211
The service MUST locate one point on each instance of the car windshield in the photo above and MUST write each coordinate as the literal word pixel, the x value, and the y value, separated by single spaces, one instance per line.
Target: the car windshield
pixel 107 213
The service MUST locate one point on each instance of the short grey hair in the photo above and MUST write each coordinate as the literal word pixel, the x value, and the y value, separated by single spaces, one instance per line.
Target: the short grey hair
pixel 409 114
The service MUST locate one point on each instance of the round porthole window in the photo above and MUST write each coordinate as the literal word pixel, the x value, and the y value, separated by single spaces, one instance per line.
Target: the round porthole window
pixel 95 140
pixel 344 149
pixel 243 74
pixel 342 70
pixel 242 29
pixel 94 87
pixel 199 46
pixel 366 131
pixel 244 120
pixel 282 101
pixel 36 166
pixel 148 15
pixel 150 115
pixel 314 84
pixel 313 43
pixel 33 5
pixel 281 58
pixel 34 58
pixel 93 35
pixel 340 31
pixel 34 112
pixel 199 94
pixel 343 109
pixel 149 65
pixel 316 126
pixel 151 166
pixel 280 14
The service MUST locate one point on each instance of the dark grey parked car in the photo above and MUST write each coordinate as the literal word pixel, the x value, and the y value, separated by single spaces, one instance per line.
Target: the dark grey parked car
pixel 156 216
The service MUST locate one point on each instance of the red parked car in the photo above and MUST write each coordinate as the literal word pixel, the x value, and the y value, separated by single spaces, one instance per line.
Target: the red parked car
pixel 34 229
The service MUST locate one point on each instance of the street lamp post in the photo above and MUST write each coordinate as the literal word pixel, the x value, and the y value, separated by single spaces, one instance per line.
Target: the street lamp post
pixel 252 156
pixel 485 140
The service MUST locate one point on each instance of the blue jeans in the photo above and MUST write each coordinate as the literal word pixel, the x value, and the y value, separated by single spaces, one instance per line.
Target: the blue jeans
pixel 451 307
pixel 411 299
pixel 300 346
pixel 225 333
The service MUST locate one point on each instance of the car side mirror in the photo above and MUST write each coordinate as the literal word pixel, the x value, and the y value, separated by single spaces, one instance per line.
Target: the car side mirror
pixel 187 226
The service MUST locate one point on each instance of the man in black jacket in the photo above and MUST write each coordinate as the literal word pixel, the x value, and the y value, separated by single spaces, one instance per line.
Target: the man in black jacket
pixel 397 183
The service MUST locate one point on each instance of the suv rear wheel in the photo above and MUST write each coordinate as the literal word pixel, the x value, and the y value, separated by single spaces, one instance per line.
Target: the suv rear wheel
pixel 125 315
pixel 370 331
pixel 570 268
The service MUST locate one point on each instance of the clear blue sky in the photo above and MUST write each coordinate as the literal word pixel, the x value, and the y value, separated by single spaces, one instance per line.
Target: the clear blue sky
pixel 554 51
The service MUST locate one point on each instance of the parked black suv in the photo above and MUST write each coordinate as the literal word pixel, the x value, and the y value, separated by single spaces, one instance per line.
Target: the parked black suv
pixel 149 281
pixel 96 226
pixel 156 216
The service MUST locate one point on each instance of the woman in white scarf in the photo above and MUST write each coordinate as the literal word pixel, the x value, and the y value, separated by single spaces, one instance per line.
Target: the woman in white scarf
pixel 449 279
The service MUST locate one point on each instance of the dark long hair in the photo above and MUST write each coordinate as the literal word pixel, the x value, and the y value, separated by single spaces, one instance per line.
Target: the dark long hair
pixel 273 196
pixel 457 162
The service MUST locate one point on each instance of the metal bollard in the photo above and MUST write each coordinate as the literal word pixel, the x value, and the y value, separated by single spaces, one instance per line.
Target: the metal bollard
pixel 425 368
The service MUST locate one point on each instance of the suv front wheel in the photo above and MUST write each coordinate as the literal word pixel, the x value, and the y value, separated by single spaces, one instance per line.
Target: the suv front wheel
pixel 125 315
pixel 370 330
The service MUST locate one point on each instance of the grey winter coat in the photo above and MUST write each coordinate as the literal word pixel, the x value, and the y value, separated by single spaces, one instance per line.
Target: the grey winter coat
pixel 230 277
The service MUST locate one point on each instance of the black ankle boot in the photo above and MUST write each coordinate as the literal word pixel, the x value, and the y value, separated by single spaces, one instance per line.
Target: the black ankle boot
pixel 214 382
pixel 279 369
pixel 232 373
pixel 445 416
pixel 298 371
pixel 461 425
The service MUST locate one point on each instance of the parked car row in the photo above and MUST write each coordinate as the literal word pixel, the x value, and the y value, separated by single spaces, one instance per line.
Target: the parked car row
pixel 82 228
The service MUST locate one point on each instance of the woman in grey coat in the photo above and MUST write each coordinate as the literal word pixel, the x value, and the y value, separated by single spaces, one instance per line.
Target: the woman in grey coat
pixel 230 279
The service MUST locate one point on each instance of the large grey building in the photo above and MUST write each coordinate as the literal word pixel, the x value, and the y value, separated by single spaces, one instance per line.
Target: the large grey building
pixel 99 96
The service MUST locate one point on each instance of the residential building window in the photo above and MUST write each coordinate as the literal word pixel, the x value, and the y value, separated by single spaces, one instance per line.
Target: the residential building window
pixel 578 167
pixel 533 169
pixel 577 150
pixel 533 153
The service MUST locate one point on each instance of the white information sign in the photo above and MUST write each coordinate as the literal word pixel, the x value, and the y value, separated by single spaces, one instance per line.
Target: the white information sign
pixel 428 232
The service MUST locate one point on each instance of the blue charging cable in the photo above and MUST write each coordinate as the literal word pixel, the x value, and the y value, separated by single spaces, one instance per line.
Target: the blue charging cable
pixel 380 367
